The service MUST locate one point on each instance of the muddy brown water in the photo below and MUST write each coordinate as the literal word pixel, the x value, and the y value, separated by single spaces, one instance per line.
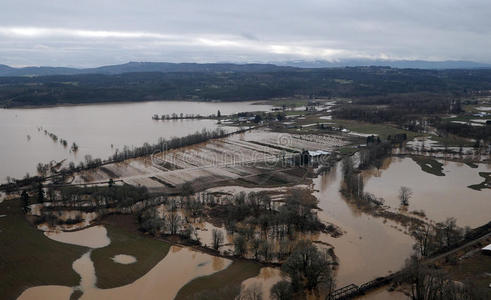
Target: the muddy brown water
pixel 95 128
pixel 52 292
pixel 373 247
pixel 439 196
pixel 263 282
pixel 92 237
pixel 369 248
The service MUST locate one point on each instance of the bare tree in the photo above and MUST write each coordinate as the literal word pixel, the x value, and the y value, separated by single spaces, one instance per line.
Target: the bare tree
pixel 405 194
pixel 432 284
pixel 174 222
pixel 255 245
pixel 217 236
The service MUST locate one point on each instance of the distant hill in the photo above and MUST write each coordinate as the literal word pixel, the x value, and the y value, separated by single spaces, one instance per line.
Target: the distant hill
pixel 401 64
pixel 163 67
pixel 139 67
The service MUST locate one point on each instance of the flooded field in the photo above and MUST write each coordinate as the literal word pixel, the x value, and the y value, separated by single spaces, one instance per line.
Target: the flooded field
pixel 439 196
pixel 369 247
pixel 180 266
pixel 263 282
pixel 244 157
pixel 163 281
pixel 98 130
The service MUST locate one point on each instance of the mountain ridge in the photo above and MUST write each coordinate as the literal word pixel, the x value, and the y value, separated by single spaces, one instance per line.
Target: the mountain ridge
pixel 166 67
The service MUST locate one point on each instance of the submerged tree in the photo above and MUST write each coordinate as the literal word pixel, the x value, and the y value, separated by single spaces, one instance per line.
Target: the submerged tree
pixel 308 267
pixel 25 201
pixel 240 245
pixel 40 193
pixel 405 194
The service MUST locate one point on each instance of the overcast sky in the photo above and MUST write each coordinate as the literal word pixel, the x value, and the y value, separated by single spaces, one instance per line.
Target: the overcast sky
pixel 100 32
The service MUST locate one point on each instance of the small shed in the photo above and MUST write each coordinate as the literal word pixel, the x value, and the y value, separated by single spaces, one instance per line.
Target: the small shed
pixel 486 250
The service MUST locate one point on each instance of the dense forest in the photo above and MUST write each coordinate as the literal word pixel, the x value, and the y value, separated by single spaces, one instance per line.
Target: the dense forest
pixel 353 82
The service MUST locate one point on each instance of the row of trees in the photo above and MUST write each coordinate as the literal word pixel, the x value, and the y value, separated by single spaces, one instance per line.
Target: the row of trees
pixel 295 214
pixel 479 133
pixel 374 153
pixel 394 108
pixel 433 238
pixel 163 144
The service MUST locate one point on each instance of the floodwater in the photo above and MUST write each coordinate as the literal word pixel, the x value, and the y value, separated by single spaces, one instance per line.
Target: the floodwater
pixel 439 196
pixel 98 129
pixel 52 292
pixel 369 248
pixel 92 237
pixel 264 282
pixel 85 268
pixel 124 259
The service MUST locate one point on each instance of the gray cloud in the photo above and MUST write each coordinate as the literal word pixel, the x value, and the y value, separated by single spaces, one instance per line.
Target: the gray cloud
pixel 90 33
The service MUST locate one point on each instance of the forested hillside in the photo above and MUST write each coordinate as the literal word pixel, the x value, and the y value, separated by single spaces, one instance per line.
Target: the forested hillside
pixel 357 82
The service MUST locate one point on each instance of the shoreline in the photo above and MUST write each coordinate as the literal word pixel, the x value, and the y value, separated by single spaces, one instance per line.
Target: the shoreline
pixel 69 104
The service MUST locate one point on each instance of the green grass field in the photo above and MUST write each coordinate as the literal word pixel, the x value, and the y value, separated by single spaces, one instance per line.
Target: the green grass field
pixel 147 251
pixel 483 185
pixel 221 285
pixel 452 141
pixel 429 165
pixel 382 130
pixel 28 258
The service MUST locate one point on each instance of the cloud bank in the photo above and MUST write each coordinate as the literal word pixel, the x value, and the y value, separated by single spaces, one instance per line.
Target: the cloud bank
pixel 91 33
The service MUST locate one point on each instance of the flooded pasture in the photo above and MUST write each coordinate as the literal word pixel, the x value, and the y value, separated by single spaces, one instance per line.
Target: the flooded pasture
pixel 263 282
pixel 164 280
pixel 250 158
pixel 439 196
